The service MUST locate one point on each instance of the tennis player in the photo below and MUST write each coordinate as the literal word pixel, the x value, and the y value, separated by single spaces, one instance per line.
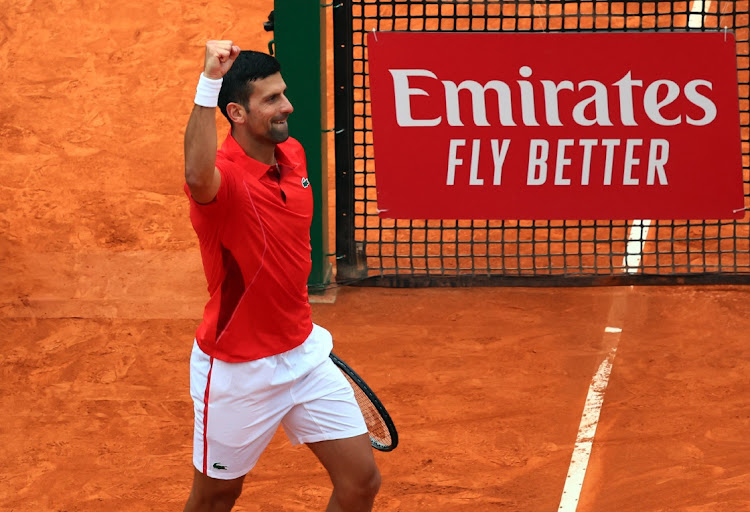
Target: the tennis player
pixel 258 361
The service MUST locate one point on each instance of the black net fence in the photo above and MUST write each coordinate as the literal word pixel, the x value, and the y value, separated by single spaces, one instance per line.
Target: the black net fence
pixel 388 252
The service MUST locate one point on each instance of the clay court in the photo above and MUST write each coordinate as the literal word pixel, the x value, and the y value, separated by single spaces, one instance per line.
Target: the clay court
pixel 102 290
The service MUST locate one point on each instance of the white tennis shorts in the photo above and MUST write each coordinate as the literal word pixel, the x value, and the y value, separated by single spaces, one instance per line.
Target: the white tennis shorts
pixel 239 406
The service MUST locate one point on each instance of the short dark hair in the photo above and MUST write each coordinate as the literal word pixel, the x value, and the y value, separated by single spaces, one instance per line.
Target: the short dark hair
pixel 237 85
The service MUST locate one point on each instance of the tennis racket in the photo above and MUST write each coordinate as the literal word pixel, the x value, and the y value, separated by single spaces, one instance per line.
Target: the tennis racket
pixel 383 435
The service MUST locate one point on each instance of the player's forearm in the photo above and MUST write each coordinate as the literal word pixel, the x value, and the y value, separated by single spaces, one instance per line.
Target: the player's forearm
pixel 200 146
pixel 200 136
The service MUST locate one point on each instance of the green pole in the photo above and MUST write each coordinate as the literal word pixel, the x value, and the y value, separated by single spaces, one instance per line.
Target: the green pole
pixel 300 46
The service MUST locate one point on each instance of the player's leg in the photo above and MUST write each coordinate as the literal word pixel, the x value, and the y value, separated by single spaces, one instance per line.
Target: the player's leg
pixel 213 495
pixel 328 419
pixel 354 474
pixel 236 414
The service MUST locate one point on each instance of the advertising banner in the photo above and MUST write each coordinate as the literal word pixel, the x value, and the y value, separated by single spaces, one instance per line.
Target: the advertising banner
pixel 556 125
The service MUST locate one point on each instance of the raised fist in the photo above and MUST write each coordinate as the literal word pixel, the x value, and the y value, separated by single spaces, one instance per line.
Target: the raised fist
pixel 220 56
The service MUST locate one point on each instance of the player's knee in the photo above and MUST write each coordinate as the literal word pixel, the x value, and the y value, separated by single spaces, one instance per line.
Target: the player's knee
pixel 359 489
pixel 371 483
pixel 213 498
pixel 230 496
pixel 374 482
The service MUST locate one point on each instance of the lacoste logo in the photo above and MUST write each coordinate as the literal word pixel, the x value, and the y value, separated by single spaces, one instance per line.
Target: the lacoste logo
pixel 305 183
pixel 219 466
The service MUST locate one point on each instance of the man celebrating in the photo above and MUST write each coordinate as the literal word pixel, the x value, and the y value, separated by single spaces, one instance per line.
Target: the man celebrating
pixel 258 361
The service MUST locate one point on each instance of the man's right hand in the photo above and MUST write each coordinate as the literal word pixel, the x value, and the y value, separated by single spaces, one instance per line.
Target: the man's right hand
pixel 220 55
pixel 201 175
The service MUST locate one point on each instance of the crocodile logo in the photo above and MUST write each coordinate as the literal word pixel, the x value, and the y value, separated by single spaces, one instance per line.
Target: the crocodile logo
pixel 219 466
pixel 305 183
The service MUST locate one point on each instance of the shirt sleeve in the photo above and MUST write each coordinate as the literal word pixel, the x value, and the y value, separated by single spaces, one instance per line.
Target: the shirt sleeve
pixel 208 215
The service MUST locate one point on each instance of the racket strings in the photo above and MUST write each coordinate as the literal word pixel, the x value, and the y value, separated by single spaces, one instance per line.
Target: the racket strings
pixel 376 425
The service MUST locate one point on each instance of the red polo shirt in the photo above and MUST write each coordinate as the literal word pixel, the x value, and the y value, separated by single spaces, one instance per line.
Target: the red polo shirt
pixel 255 245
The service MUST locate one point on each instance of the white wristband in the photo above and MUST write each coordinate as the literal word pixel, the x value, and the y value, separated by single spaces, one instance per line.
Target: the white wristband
pixel 207 92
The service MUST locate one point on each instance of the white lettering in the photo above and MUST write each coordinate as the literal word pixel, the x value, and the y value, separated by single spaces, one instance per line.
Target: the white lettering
pixel 562 161
pixel 499 159
pixel 474 178
pixel 537 161
pixel 587 144
pixel 589 108
pixel 551 89
pixel 453 160
pixel 697 99
pixel 656 163
pixel 610 144
pixel 601 105
pixel 630 162
pixel 479 109
pixel 653 106
pixel 402 92
pixel 527 98
pixel 625 85
pixel 626 166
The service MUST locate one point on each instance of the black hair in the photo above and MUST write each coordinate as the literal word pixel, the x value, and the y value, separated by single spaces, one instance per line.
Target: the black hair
pixel 237 85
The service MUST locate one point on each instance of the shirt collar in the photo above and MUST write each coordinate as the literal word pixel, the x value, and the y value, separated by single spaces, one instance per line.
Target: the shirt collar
pixel 234 152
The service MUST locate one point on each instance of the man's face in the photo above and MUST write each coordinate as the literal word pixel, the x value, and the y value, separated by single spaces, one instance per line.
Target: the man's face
pixel 268 110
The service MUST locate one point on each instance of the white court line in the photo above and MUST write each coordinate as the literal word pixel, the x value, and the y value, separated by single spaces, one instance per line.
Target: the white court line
pixel 595 398
pixel 636 242
pixel 585 439
pixel 699 8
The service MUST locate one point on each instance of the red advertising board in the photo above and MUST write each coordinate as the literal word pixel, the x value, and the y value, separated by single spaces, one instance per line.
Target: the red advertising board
pixel 556 126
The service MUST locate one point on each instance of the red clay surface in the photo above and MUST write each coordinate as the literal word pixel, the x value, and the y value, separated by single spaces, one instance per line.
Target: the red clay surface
pixel 102 289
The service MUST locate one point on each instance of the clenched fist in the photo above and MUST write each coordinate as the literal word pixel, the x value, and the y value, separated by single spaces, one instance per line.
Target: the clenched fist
pixel 220 56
